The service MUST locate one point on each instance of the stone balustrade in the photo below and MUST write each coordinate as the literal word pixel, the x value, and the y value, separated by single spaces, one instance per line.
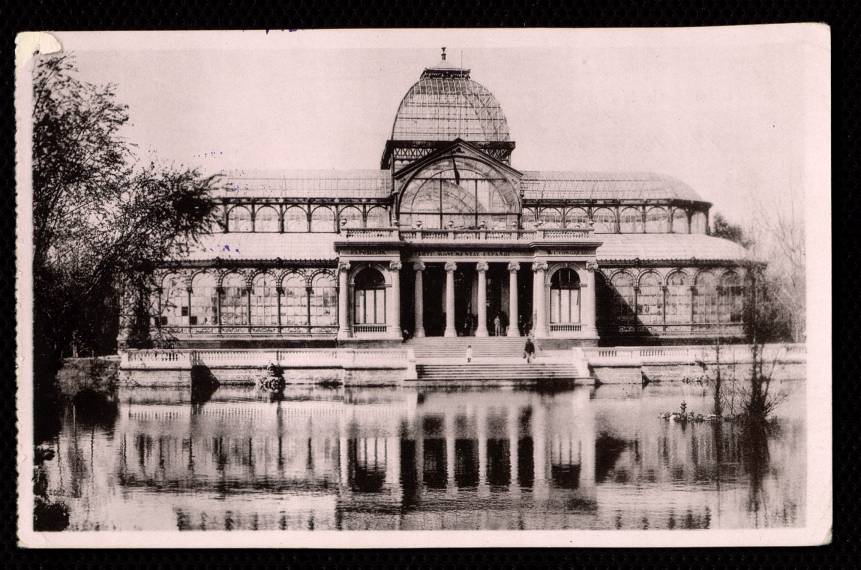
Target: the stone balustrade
pixel 710 354
pixel 467 235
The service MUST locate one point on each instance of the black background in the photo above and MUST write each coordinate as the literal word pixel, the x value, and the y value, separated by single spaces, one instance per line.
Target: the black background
pixel 23 15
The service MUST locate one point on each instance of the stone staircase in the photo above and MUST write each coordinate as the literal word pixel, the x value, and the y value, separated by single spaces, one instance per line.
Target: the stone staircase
pixel 494 359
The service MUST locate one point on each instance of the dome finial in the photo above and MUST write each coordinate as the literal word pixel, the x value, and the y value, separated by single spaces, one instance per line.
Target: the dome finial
pixel 443 53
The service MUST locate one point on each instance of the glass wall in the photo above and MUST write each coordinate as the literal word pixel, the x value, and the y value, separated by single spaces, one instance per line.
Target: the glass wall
pixel 204 300
pixel 294 301
pixel 378 218
pixel 324 301
pixel 731 298
pixel 322 219
pixel 631 221
pixel 576 217
pixel 234 304
pixel 650 300
pixel 266 220
pixel 605 221
pixel 623 301
pixel 264 301
pixel 680 221
pixel 295 220
pixel 657 221
pixel 678 302
pixel 698 223
pixel 239 220
pixel 705 298
pixel 351 217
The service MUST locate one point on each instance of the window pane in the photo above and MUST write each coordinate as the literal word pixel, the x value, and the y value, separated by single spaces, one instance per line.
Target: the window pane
pixel 240 219
pixel 324 301
pixel 656 220
pixel 174 301
pixel 650 300
pixel 264 301
pixel 294 310
pixel 605 221
pixel 234 305
pixel 322 220
pixel 295 220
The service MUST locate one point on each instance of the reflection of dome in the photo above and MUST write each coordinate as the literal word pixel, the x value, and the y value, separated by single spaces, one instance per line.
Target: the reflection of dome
pixel 446 104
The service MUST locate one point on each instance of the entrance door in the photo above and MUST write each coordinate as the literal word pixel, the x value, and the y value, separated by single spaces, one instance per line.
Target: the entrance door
pixel 434 300
pixel 465 314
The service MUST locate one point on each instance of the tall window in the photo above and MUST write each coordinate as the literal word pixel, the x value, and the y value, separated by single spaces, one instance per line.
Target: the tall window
pixel 295 220
pixel 705 298
pixel 266 220
pixel 631 221
pixel 378 218
pixel 565 297
pixel 698 223
pixel 322 220
pixel 459 191
pixel 239 220
pixel 324 301
pixel 264 301
pixel 731 298
pixel 680 221
pixel 204 300
pixel 234 305
pixel 174 301
pixel 650 300
pixel 294 303
pixel 623 299
pixel 678 302
pixel 605 221
pixel 369 298
pixel 351 218
pixel 528 218
pixel 657 221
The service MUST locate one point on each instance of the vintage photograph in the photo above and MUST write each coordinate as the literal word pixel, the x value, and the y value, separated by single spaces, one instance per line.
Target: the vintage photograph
pixel 514 287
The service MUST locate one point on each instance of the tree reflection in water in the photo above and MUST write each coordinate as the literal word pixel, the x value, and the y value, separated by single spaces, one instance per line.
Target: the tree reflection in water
pixel 228 458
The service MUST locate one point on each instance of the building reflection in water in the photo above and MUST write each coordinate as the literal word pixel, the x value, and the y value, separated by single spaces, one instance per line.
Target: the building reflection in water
pixel 404 459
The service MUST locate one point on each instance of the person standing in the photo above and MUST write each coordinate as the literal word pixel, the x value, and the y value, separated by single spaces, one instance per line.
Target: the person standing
pixel 529 350
pixel 469 353
pixel 497 325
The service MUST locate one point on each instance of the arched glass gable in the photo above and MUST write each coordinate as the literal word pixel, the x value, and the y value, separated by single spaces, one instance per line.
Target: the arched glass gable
pixel 462 192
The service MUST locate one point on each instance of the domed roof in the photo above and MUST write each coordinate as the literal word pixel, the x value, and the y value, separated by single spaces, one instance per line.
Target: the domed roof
pixel 446 104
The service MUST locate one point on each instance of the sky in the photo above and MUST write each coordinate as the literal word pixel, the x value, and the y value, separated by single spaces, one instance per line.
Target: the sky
pixel 726 110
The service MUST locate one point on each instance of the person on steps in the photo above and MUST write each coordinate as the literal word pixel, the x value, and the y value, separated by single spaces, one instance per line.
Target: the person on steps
pixel 529 350
pixel 469 353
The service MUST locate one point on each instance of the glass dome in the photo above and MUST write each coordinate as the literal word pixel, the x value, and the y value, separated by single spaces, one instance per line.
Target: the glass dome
pixel 446 104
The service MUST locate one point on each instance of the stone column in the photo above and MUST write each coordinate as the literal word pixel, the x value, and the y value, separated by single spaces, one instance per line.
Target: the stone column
pixel 419 301
pixel 394 302
pixel 539 326
pixel 513 310
pixel 450 267
pixel 482 268
pixel 343 300
pixel 587 299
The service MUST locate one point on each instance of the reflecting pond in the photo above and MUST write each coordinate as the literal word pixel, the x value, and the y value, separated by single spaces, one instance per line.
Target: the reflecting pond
pixel 416 459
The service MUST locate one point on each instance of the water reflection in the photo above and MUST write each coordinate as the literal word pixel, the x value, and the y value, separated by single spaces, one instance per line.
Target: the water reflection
pixel 321 458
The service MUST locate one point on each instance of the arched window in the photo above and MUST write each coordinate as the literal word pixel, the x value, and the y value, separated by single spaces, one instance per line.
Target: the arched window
pixel 239 220
pixel 605 221
pixel 705 299
pixel 623 299
pixel 295 220
pixel 324 301
pixel 698 223
pixel 174 301
pixel 550 218
pixel 350 217
pixel 631 221
pixel 369 301
pixel 657 221
pixel 234 304
pixel 650 300
pixel 378 217
pixel 678 302
pixel 322 220
pixel 294 301
pixel 204 300
pixel 731 298
pixel 680 221
pixel 266 220
pixel 462 191
pixel 264 301
pixel 565 296
pixel 576 217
